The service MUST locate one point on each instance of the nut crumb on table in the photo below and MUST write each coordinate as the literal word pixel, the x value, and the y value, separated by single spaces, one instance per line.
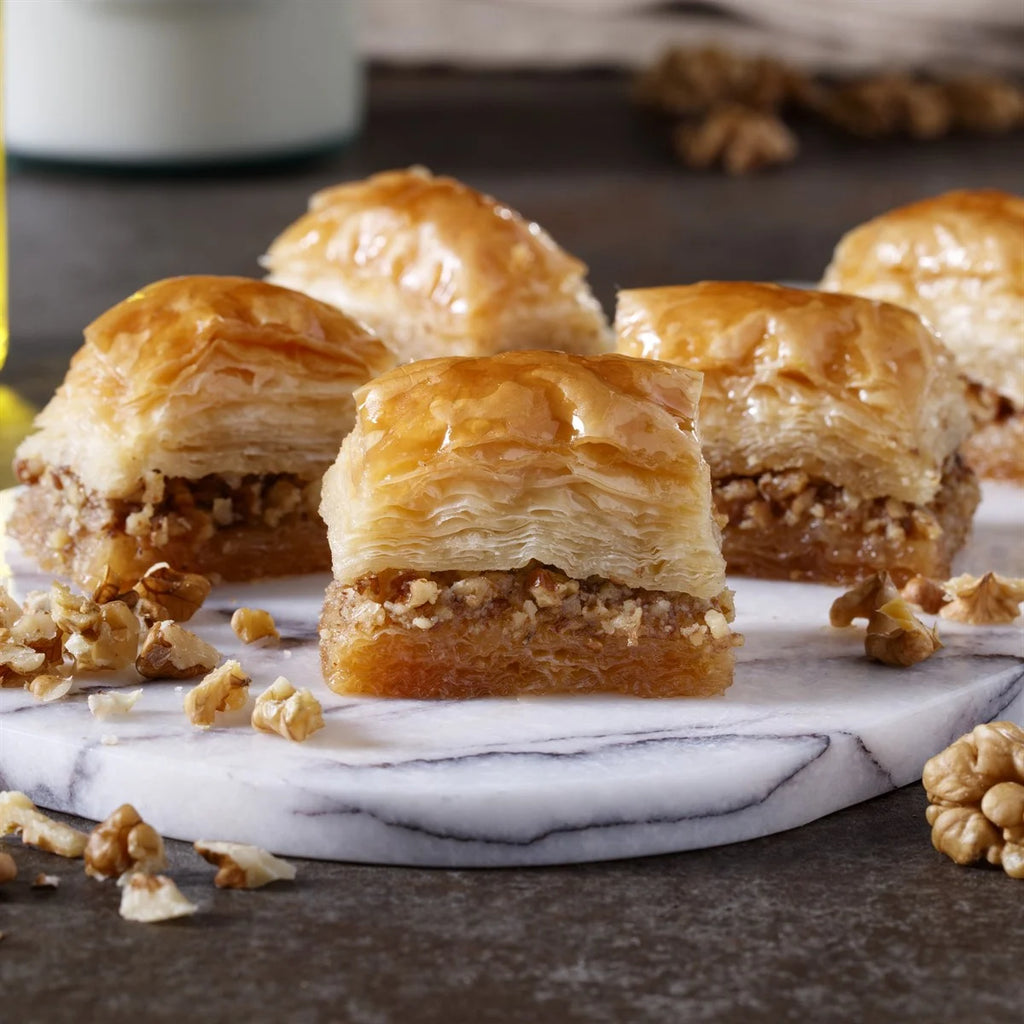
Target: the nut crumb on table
pixel 18 815
pixel 975 790
pixel 241 866
pixel 152 898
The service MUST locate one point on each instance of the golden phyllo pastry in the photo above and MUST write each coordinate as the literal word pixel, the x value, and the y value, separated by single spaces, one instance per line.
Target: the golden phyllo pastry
pixel 438 269
pixel 831 424
pixel 193 427
pixel 958 261
pixel 532 522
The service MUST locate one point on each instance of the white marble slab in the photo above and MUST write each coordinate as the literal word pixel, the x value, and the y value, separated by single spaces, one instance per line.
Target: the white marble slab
pixel 808 727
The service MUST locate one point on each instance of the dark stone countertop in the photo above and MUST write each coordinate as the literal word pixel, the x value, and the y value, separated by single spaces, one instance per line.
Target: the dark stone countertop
pixel 851 918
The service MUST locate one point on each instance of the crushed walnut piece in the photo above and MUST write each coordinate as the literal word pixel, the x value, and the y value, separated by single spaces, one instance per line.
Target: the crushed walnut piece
pixel 8 868
pixel 983 103
pixel 36 629
pixel 18 815
pixel 294 714
pixel 243 867
pixel 166 593
pixel 123 842
pixel 688 81
pixel 110 588
pixel 173 652
pixel 112 702
pixel 10 610
pixel 894 635
pixel 737 138
pixel 862 600
pixel 975 790
pixel 48 688
pixel 989 600
pixel 889 105
pixel 926 593
pixel 97 636
pixel 18 663
pixel 224 689
pixel 152 898
pixel 44 881
pixel 253 625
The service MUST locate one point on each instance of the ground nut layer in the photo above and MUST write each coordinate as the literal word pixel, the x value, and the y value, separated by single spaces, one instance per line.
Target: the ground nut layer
pixel 532 630
pixel 786 525
pixel 231 528
pixel 996 448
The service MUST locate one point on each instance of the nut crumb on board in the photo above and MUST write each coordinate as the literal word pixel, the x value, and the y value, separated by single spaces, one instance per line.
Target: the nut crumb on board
pixel 224 689
pixel 293 714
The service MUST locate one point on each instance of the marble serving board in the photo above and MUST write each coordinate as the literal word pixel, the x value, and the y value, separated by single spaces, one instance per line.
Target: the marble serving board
pixel 809 726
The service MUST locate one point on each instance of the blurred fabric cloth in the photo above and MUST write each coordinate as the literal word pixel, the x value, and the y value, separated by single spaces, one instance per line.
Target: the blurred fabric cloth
pixel 845 35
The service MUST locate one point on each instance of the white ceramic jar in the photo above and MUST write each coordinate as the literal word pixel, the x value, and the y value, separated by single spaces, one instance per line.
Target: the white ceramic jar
pixel 178 81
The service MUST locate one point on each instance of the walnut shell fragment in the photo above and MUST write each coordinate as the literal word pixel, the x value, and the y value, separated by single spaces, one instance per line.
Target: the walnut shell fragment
pixel 224 689
pixel 166 593
pixel 293 714
pixel 18 815
pixel 172 652
pixel 153 898
pixel 243 867
pixel 123 842
pixel 989 600
pixel 976 792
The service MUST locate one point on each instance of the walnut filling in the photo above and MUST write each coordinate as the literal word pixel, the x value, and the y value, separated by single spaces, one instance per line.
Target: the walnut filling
pixel 164 508
pixel 786 524
pixel 534 597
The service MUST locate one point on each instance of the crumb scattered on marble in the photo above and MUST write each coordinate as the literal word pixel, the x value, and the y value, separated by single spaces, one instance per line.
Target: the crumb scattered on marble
pixel 113 702
pixel 254 625
pixel 243 867
pixel 109 740
pixel 293 714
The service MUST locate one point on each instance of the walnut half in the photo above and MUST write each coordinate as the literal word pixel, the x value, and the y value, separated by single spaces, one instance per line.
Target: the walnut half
pixel 989 600
pixel 123 842
pixel 976 792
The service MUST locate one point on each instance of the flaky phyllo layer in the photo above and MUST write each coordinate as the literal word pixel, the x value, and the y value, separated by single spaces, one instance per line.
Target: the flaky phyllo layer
pixel 591 465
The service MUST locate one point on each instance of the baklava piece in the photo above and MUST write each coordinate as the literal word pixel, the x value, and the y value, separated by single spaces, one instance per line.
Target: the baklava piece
pixel 958 261
pixel 438 269
pixel 831 424
pixel 193 427
pixel 532 522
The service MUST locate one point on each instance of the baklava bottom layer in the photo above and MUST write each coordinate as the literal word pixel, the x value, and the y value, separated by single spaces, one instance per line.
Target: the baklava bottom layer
pixel 227 528
pixel 788 526
pixel 526 631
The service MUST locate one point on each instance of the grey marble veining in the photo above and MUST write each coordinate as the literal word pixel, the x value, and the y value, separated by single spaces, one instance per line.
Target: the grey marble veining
pixel 808 727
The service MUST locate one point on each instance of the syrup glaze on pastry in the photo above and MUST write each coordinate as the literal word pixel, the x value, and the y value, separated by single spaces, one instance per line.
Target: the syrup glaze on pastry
pixel 436 268
pixel 957 260
pixel 528 522
pixel 193 426
pixel 831 425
